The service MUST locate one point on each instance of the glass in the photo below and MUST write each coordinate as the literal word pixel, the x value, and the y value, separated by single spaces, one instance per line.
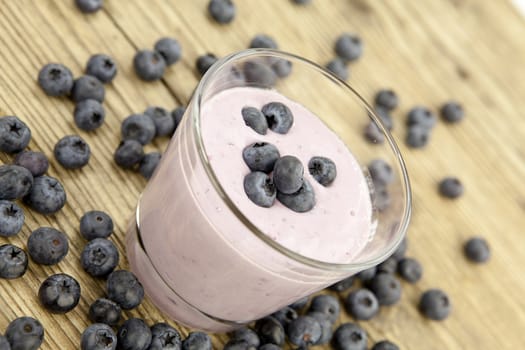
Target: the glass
pixel 193 265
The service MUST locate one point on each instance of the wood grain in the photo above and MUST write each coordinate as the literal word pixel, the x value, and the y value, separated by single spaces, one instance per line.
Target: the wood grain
pixel 428 51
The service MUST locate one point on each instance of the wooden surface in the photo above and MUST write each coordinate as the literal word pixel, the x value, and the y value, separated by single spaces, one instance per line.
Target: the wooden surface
pixel 428 51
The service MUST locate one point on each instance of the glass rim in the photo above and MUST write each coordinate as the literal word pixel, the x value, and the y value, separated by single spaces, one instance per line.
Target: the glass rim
pixel 195 110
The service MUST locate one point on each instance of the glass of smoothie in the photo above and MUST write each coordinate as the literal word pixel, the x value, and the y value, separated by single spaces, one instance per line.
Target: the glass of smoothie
pixel 215 250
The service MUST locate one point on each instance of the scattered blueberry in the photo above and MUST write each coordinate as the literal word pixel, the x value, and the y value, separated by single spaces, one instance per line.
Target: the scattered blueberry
pixel 25 333
pixel 95 224
pixel 368 274
pixel 410 269
pixel 105 311
pixel 99 257
pixel 259 187
pixel 326 326
pixel 270 331
pixel 47 246
pixel 148 164
pixel 421 116
pixel 124 289
pixel 177 115
pixel 197 341
pixel 72 152
pixel 362 304
pixel 162 119
pixel 349 47
pixel 138 127
pixel 259 74
pixel 204 62
pixel 304 330
pixel 11 218
pixel 282 67
pixel 386 288
pixel 349 336
pixel 301 201
pixel 401 249
pixel 35 162
pixel 222 11
pixel 255 119
pixel 322 169
pixel 149 65
pixel 387 266
pixel 452 112
pixel 87 87
pixel 417 136
pixel 4 343
pixel 435 304
pixel 89 114
pixel 299 304
pixel 98 336
pixel 134 334
pixel 285 315
pixel 14 134
pixel 55 79
pixel 89 6
pixel 288 174
pixel 47 195
pixel 327 304
pixel 381 172
pixel 15 182
pixel 343 285
pixel 385 345
pixel 128 154
pixel 373 134
pixel 260 156
pixel 234 344
pixel 102 67
pixel 387 99
pixel 451 187
pixel 263 41
pixel 338 67
pixel 169 49
pixel 385 117
pixel 477 250
pixel 164 337
pixel 13 261
pixel 59 293
pixel 248 335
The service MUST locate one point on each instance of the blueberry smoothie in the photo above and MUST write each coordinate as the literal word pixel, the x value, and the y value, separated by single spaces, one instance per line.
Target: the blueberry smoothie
pixel 213 250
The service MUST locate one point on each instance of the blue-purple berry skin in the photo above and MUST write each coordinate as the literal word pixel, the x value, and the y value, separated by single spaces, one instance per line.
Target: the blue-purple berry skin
pixel 197 341
pixel 417 136
pixel 98 336
pixel 385 345
pixel 343 285
pixel 235 344
pixel 72 152
pixel 36 162
pixel 14 134
pixel 301 2
pixel 165 337
pixel 373 134
pixel 248 335
pixel 401 249
pixel 87 87
pixel 452 112
pixel 204 62
pixel 55 79
pixel 25 333
pixel 263 41
pixel 387 266
pixel 259 188
pixel 327 304
pixel 99 257
pixel 301 201
pixel 282 67
pixel 435 305
pixel 386 288
pixel 177 115
pixel 222 11
pixel 169 49
pixel 149 65
pixel 15 182
pixel 124 288
pixel 89 115
pixel 11 218
pixel 129 154
pixel 96 224
pixel 102 67
pixel 47 246
pixel 47 195
pixel 164 123
pixel 59 293
pixel 421 116
pixel 349 47
pixel 4 343
pixel 322 169
pixel 270 330
pixel 338 67
pixel 134 334
pixel 105 311
pixel 362 304
pixel 288 174
pixel 349 336
pixel 304 331
pixel 367 274
pixel 477 250
pixel 260 156
pixel 149 164
pixel 255 119
pixel 139 127
pixel 451 187
pixel 387 99
pixel 326 326
pixel 410 270
pixel 381 172
pixel 89 6
pixel 259 74
pixel 385 117
pixel 285 315
pixel 299 304
pixel 13 261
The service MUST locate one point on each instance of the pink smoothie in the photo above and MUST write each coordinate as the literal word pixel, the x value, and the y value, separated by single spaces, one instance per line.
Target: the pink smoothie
pixel 199 262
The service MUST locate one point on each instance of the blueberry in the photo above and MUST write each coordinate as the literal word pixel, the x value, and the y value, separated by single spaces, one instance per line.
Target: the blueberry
pixel 89 6
pixel 409 269
pixel 165 336
pixel 248 335
pixel 299 304
pixel 204 62
pixel 260 156
pixel 47 195
pixel 15 182
pixel 349 336
pixel 13 261
pixel 148 164
pixel 25 333
pixel 11 218
pixel 270 331
pixel 4 343
pixel 386 288
pixel 98 336
pixel 368 274
pixel 134 334
pixel 362 304
pixel 300 201
pixel 138 127
pixel 59 293
pixel 326 304
pixel 326 326
pixel 89 115
pixel 99 257
pixel 421 116
pixel 385 345
pixel 451 187
pixel 259 187
pixel 162 119
pixel 128 154
pixel 338 67
pixel 87 88
pixel 269 346
pixel 288 174
pixel 381 172
pixel 35 162
pixel 177 115
pixel 285 315
pixel 322 169
pixel 169 49
pixel 373 134
pixel 14 134
pixel 343 285
pixel 47 246
pixel 387 266
pixel 124 289
pixel 263 41
pixel 255 119
pixel 259 74
pixel 55 79
pixel 95 224
pixel 102 67
pixel 387 99
pixel 149 65
pixel 349 47
pixel 304 330
pixel 385 117
pixel 452 112
pixel 477 250
pixel 105 311
pixel 197 341
pixel 435 304
pixel 282 67
pixel 222 11
pixel 72 152
pixel 401 249
pixel 234 344
pixel 417 136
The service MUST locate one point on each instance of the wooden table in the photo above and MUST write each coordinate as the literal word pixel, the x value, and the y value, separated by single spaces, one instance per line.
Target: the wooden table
pixel 428 51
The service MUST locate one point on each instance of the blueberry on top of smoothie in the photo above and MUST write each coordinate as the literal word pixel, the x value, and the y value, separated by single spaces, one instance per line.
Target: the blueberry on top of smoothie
pixel 322 169
pixel 278 116
pixel 261 156
pixel 254 118
pixel 288 174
